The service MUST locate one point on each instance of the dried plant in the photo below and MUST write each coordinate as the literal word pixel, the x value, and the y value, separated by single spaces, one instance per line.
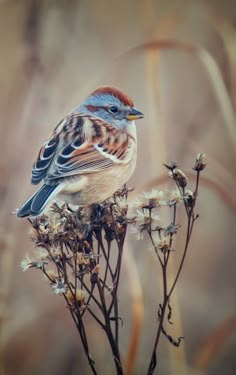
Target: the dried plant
pixel 162 238
pixel 75 256
pixel 80 253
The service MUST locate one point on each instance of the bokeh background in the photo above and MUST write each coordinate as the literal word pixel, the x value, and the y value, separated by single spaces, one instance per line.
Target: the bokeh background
pixel 52 54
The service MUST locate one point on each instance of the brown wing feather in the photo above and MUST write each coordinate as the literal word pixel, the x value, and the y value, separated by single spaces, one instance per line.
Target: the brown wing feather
pixel 49 149
pixel 102 147
pixel 44 159
pixel 86 144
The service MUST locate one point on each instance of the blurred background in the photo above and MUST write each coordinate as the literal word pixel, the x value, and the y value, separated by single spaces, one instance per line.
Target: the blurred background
pixel 53 53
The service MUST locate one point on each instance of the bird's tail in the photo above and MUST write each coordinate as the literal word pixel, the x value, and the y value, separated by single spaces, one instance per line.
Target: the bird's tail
pixel 38 201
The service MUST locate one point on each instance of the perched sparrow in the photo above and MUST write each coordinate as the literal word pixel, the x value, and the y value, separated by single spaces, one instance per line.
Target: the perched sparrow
pixel 90 154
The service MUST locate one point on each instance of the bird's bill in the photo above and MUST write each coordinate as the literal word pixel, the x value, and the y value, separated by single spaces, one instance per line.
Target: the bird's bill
pixel 134 114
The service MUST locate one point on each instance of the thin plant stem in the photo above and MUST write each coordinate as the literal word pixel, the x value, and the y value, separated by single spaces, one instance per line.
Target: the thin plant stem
pixel 108 330
pixel 167 294
pixel 107 261
pixel 189 231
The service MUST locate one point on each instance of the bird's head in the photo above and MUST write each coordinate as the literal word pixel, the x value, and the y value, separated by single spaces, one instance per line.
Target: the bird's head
pixel 112 106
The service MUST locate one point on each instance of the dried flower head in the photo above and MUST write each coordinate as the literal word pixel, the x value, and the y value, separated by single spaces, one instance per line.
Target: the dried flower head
pixel 96 269
pixel 173 165
pixel 189 198
pixel 164 245
pixel 161 243
pixel 78 296
pixel 171 229
pixel 199 164
pixel 82 259
pixel 120 209
pixel 179 176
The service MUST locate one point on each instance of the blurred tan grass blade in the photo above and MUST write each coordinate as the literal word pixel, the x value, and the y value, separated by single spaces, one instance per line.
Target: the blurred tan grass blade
pixel 214 343
pixel 214 75
pixel 227 33
pixel 137 309
pixel 154 99
pixel 177 357
pixel 152 58
pixel 6 267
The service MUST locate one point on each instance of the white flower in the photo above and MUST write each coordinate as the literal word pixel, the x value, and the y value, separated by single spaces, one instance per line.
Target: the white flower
pixel 59 287
pixel 121 207
pixel 175 197
pixel 121 202
pixel 145 220
pixel 42 254
pixel 154 194
pixel 145 217
pixel 150 199
pixel 26 263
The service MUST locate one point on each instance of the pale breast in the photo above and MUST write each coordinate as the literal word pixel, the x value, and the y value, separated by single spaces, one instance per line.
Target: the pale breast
pixel 96 187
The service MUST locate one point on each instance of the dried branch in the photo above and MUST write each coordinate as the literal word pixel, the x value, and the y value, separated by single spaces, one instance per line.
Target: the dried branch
pixel 74 254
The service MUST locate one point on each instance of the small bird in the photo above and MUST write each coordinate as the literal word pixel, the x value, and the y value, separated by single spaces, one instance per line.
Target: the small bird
pixel 91 153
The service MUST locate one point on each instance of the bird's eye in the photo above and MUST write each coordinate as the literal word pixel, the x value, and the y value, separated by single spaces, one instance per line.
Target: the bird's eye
pixel 113 109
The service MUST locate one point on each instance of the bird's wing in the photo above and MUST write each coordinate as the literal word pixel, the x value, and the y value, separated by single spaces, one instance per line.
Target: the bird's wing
pixel 86 145
pixel 46 155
